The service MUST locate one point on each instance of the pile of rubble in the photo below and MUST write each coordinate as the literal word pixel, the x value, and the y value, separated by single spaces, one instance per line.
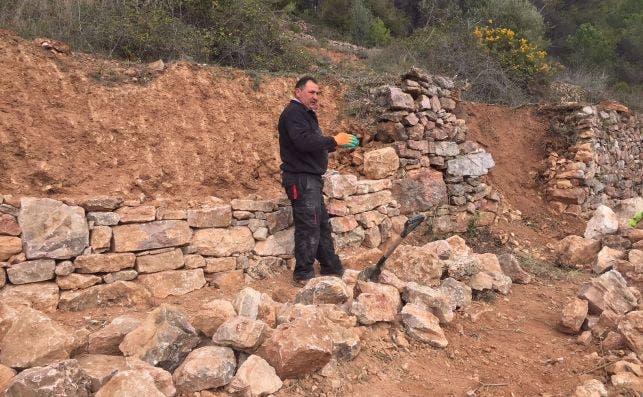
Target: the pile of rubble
pixel 607 308
pixel 603 161
pixel 249 345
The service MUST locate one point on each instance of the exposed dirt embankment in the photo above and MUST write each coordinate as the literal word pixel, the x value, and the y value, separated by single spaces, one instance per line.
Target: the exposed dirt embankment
pixel 73 124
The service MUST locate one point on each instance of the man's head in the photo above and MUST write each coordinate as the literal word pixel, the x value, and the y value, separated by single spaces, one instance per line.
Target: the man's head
pixel 307 92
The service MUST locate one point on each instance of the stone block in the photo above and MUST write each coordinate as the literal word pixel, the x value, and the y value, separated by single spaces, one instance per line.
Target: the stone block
pixel 152 235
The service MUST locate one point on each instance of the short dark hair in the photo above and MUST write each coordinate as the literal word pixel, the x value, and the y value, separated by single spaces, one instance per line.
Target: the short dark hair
pixel 302 82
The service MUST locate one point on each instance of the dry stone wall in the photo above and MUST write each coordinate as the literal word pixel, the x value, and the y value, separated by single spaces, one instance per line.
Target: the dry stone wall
pixel 440 171
pixel 423 162
pixel 603 162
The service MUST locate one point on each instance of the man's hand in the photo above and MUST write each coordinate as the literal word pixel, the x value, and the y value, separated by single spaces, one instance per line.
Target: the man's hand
pixel 347 141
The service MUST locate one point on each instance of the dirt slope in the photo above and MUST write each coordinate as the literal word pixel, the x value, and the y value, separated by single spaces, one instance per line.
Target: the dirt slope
pixel 75 124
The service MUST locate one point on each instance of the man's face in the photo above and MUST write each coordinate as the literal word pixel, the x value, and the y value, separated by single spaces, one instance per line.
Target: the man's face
pixel 308 95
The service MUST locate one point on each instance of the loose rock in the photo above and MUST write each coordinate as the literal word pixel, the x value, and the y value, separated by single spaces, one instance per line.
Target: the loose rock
pixel 205 368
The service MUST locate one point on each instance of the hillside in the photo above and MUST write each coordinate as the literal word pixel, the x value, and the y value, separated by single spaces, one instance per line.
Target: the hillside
pixel 75 125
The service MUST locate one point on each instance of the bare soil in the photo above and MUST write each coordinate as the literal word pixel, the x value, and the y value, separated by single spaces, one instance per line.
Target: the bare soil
pixel 78 125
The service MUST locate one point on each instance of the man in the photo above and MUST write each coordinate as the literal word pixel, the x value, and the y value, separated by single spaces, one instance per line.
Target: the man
pixel 304 155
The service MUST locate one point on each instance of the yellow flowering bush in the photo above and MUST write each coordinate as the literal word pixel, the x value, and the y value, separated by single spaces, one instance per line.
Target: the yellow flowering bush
pixel 514 52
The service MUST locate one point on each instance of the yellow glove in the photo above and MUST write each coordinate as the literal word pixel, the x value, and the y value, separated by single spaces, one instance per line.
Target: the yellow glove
pixel 346 140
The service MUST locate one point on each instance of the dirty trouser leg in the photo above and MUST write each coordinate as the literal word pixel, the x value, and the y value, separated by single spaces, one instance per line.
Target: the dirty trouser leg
pixel 304 193
pixel 328 260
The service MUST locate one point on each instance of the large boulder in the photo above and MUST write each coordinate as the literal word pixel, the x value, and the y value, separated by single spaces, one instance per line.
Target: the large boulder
pixel 325 289
pixel 573 316
pixel 208 367
pixel 173 282
pixel 606 259
pixel 576 250
pixel 375 303
pixel 34 339
pixel 380 163
pixel 211 315
pixel 420 190
pixel 163 339
pixel 603 222
pixel 423 326
pixel 63 378
pixel 255 378
pixel 631 327
pixel 413 263
pixel 41 296
pixel 430 299
pixel 608 291
pixel 340 186
pixel 298 348
pixel 119 293
pixel 241 333
pixel 52 229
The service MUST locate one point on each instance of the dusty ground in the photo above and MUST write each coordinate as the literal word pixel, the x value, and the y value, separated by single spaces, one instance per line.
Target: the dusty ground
pixel 73 124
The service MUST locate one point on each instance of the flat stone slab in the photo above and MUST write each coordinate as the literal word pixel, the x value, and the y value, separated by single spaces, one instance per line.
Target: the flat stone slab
pixel 151 235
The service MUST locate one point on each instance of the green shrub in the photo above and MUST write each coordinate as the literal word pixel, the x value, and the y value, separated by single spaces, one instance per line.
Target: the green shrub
pixel 242 33
pixel 378 33
pixel 518 15
pixel 592 46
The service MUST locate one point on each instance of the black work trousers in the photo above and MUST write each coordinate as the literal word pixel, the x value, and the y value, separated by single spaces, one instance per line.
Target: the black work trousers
pixel 312 229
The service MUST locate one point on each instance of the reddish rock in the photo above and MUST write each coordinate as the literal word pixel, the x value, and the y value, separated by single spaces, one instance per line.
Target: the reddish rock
pixel 298 348
pixel 380 163
pixel 152 235
pixel 41 296
pixel 52 229
pixel 104 263
pixel 631 327
pixel 159 262
pixel 223 242
pixel 511 267
pixel 107 339
pixel 173 282
pixel 573 316
pixel 208 367
pixel 241 333
pixel 375 303
pixel 8 225
pixel 140 214
pixel 77 281
pixel 608 291
pixel 9 246
pixel 423 326
pixel 34 339
pixel 101 238
pixel 164 338
pixel 119 293
pixel 215 216
pixel 420 190
pixel 211 315
pixel 31 271
pixel 577 251
pixel 325 289
pixel 227 281
pixel 255 378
